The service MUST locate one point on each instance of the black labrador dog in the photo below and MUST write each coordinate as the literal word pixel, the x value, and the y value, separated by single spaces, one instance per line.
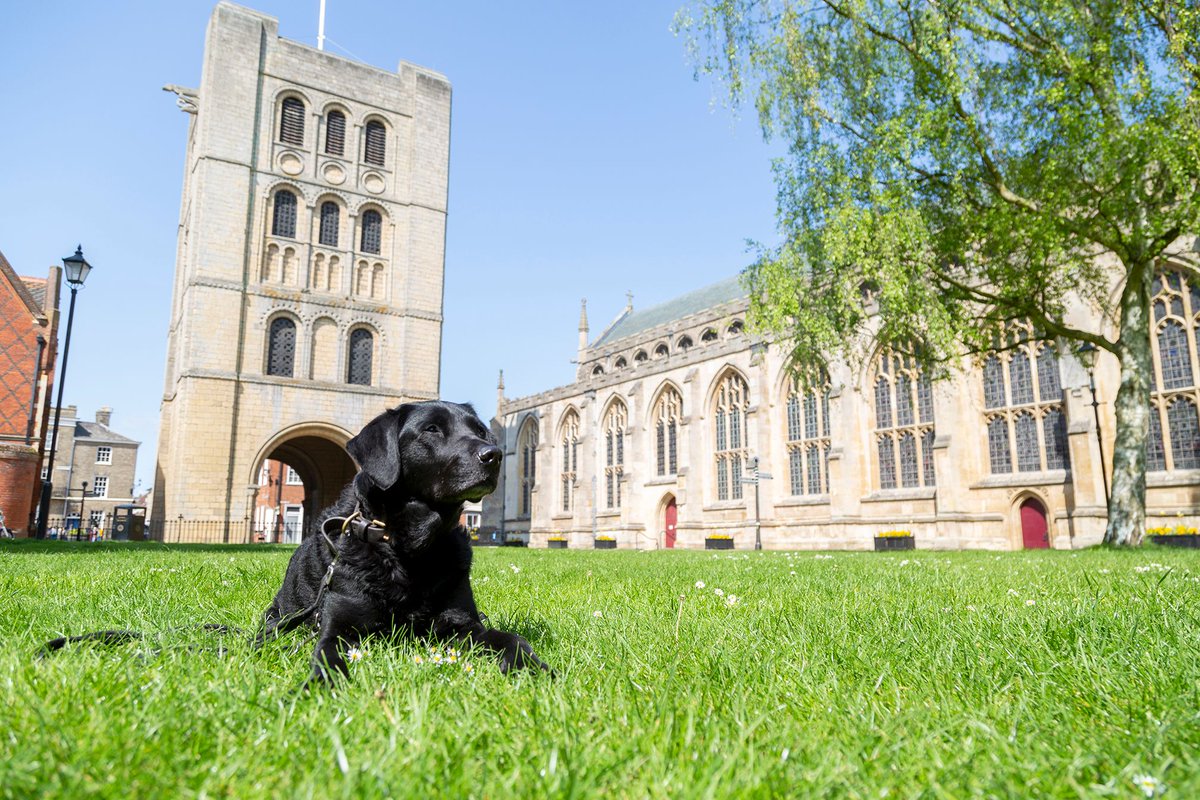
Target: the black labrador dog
pixel 390 555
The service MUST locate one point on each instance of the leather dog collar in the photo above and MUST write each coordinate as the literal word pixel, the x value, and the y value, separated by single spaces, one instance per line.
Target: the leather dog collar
pixel 358 526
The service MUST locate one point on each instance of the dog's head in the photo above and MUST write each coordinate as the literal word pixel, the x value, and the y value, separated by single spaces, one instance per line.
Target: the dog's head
pixel 435 451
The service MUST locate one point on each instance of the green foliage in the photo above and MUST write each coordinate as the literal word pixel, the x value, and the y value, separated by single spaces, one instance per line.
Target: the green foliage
pixel 920 674
pixel 961 164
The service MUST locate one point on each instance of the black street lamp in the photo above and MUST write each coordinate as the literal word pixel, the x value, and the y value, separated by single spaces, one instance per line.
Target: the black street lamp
pixel 1086 353
pixel 82 499
pixel 77 269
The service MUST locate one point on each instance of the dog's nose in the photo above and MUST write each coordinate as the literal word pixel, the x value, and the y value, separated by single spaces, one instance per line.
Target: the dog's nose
pixel 490 455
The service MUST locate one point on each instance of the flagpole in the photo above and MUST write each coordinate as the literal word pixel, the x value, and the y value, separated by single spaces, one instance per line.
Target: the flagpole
pixel 321 28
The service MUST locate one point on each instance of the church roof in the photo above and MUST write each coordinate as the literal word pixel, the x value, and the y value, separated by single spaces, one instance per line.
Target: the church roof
pixel 633 322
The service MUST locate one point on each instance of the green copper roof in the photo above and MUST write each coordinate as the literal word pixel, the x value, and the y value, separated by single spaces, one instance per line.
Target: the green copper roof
pixel 634 322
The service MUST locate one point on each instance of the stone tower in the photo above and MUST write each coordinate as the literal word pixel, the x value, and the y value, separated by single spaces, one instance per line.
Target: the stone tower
pixel 309 264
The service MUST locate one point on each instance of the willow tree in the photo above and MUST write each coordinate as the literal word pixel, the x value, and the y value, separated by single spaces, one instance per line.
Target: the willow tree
pixel 956 165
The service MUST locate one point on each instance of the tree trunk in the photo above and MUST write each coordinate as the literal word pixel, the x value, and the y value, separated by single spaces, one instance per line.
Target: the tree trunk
pixel 1127 506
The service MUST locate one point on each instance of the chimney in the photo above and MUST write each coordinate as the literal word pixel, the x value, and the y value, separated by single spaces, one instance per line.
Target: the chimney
pixel 104 416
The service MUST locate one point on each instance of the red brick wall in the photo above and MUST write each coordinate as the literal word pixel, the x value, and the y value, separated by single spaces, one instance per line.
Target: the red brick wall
pixel 19 479
pixel 18 360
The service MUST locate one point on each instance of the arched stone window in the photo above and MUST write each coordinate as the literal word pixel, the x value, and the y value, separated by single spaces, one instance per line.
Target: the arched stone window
pixel 730 403
pixel 808 432
pixel 362 350
pixel 661 351
pixel 335 133
pixel 527 443
pixel 736 327
pixel 639 356
pixel 569 473
pixel 904 429
pixel 684 343
pixel 331 223
pixel 283 217
pixel 375 143
pixel 1023 407
pixel 1174 441
pixel 620 363
pixel 291 121
pixel 597 370
pixel 281 347
pixel 709 335
pixel 614 452
pixel 667 413
pixel 372 231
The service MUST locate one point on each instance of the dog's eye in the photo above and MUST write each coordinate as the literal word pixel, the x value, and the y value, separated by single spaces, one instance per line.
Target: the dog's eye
pixel 432 429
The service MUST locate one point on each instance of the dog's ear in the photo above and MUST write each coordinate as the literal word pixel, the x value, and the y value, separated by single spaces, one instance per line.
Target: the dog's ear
pixel 376 448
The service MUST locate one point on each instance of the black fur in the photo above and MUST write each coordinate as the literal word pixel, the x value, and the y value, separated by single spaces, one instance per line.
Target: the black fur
pixel 418 464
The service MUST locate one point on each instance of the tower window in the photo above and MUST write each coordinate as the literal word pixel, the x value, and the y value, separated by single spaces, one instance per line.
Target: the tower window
pixel 281 354
pixel 376 143
pixel 331 218
pixel 283 220
pixel 362 344
pixel 372 231
pixel 335 133
pixel 291 122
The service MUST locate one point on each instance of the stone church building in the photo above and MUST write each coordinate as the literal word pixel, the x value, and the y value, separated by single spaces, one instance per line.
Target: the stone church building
pixel 677 416
pixel 309 264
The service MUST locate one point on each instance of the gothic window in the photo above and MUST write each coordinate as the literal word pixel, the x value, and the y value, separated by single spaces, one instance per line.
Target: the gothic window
pixel 331 218
pixel 527 443
pixel 660 351
pixel 283 219
pixel 362 345
pixel 709 335
pixel 730 403
pixel 375 148
pixel 684 343
pixel 621 363
pixel 335 133
pixel 291 121
pixel 736 327
pixel 281 349
pixel 598 370
pixel 569 474
pixel 666 416
pixel 614 453
pixel 1174 441
pixel 1022 395
pixel 640 356
pixel 808 433
pixel 372 231
pixel 904 439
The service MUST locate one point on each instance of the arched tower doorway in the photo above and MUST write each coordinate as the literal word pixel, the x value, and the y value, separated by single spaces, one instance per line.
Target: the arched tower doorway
pixel 1035 528
pixel 315 455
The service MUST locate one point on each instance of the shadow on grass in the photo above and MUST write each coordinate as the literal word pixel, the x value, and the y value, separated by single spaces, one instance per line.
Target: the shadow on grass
pixel 65 548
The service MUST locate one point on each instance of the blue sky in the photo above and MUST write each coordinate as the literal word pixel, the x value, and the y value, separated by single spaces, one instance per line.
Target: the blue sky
pixel 585 161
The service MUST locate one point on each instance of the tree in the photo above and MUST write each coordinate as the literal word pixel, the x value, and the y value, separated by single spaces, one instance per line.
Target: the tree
pixel 971 163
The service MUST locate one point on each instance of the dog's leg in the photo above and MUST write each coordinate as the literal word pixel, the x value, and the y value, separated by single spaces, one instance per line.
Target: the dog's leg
pixel 344 621
pixel 511 650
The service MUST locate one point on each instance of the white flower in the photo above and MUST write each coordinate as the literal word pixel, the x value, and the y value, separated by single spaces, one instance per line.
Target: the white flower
pixel 514 568
pixel 355 655
pixel 1014 592
pixel 718 592
pixel 904 563
pixel 1149 785
pixel 1105 571
pixel 793 572
pixel 1030 602
pixel 597 613
pixel 732 600
pixel 699 584
pixel 970 608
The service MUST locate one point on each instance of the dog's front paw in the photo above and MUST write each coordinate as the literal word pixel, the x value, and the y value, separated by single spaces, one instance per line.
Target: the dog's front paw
pixel 519 655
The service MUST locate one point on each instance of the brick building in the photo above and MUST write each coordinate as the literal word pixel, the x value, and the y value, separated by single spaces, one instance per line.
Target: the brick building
pixel 28 351
pixel 90 453
pixel 309 265
pixel 278 504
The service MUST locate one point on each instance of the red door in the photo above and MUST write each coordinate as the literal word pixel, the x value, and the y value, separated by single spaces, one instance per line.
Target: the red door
pixel 1034 531
pixel 672 516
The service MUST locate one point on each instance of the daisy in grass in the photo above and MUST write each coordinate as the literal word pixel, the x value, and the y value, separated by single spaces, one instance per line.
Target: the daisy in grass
pixel 1030 602
pixel 732 600
pixel 1148 784
pixel 355 655
pixel 719 592
pixel 597 613
pixel 699 584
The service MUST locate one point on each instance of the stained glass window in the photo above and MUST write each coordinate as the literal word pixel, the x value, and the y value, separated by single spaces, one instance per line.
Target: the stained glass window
pixel 614 465
pixel 372 231
pixel 1030 430
pixel 283 220
pixel 905 441
pixel 808 433
pixel 999 454
pixel 667 412
pixel 527 444
pixel 1175 348
pixel 362 345
pixel 731 401
pixel 569 439
pixel 331 218
pixel 282 347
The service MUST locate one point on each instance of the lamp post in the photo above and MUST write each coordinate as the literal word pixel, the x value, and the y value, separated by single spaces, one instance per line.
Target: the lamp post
pixel 77 269
pixel 1086 353
pixel 82 500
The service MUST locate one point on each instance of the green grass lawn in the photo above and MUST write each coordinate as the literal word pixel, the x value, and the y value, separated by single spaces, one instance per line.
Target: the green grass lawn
pixel 921 674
